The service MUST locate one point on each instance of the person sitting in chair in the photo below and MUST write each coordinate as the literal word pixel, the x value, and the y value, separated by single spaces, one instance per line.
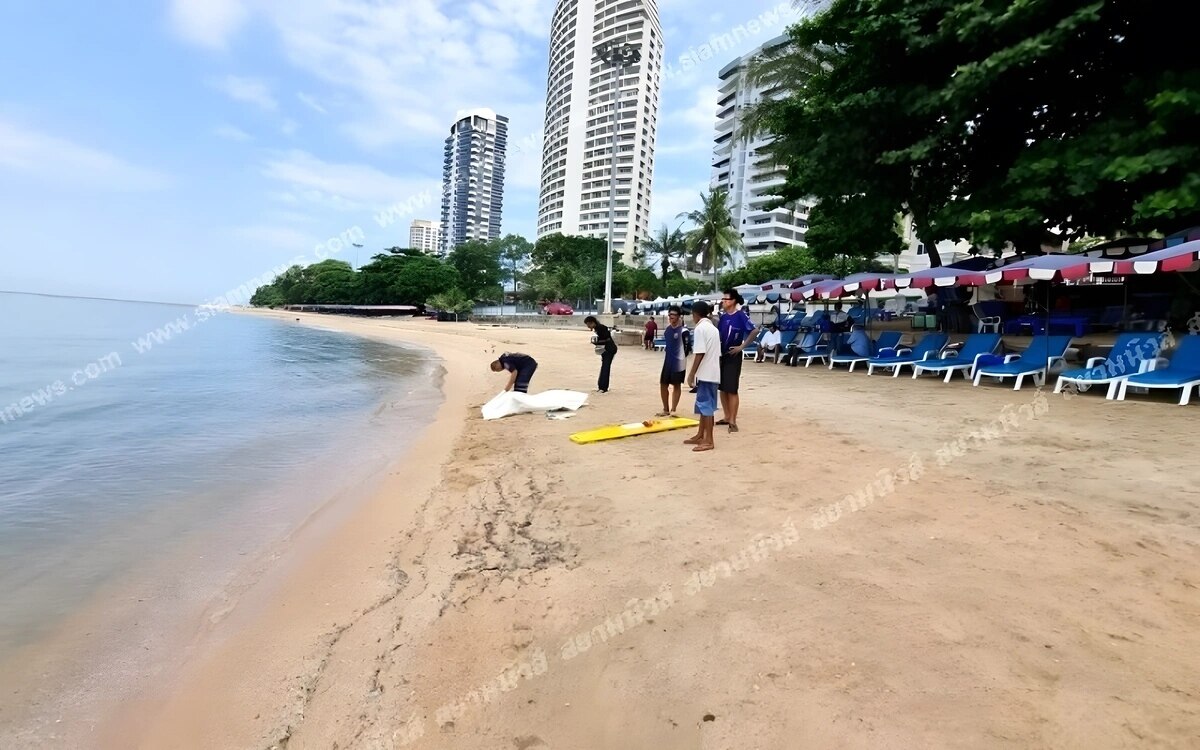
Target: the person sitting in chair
pixel 769 344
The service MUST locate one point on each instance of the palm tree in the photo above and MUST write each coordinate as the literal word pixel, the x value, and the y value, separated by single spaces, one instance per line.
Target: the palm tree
pixel 780 72
pixel 668 245
pixel 714 240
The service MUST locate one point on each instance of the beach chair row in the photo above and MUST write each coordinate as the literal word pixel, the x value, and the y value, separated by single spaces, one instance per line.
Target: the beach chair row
pixel 1135 361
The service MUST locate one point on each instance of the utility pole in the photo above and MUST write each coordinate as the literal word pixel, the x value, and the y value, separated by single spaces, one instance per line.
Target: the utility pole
pixel 618 56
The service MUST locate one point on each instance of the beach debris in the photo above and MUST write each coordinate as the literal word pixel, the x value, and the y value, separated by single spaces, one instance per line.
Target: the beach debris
pixel 709 717
pixel 560 414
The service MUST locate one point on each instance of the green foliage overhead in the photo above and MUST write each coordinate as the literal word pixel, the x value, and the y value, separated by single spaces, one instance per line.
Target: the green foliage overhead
pixel 664 249
pixel 792 262
pixel 988 120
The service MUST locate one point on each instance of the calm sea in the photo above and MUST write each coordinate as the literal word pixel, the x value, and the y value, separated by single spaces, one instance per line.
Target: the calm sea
pixel 131 431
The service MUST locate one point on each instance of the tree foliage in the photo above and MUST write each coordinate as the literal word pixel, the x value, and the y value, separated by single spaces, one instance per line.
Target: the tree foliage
pixel 714 241
pixel 988 120
pixel 666 248
pixel 792 262
pixel 478 266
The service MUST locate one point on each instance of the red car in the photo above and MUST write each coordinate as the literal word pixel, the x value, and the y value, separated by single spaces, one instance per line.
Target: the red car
pixel 558 308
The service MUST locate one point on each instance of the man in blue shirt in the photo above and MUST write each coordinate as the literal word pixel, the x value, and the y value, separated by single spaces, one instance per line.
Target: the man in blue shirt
pixel 674 364
pixel 737 331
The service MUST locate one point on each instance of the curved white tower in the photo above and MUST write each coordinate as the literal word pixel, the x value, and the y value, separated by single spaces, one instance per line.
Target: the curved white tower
pixel 583 104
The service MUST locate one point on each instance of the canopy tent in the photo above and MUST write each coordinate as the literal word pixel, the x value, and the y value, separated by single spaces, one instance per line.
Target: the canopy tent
pixel 1181 257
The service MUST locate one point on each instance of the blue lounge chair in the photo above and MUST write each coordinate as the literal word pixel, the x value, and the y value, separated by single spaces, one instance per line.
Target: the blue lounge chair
pixel 897 359
pixel 887 340
pixel 809 348
pixel 752 348
pixel 785 339
pixel 1035 361
pixel 1182 372
pixel 964 360
pixel 1131 354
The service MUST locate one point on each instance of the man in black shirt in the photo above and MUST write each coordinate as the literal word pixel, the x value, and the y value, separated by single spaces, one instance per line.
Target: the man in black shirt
pixel 521 367
pixel 603 340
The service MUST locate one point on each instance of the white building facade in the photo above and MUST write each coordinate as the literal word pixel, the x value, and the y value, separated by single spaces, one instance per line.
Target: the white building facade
pixel 473 178
pixel 425 235
pixel 751 179
pixel 590 107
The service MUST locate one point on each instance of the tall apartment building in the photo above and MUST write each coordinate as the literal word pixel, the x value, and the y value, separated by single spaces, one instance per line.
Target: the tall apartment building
pixel 425 235
pixel 473 178
pixel 592 107
pixel 751 178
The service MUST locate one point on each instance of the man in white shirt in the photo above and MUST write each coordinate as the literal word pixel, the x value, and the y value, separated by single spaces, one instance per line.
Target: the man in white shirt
pixel 769 344
pixel 705 374
pixel 838 319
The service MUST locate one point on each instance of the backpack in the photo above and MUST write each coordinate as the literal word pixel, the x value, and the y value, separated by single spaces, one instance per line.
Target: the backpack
pixel 687 341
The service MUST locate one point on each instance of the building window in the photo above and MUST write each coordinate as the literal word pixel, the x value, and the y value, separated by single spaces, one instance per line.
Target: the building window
pixel 920 249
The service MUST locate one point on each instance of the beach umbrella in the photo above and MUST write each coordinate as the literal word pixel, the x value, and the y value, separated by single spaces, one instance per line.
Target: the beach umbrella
pixel 940 276
pixel 1180 257
pixel 776 284
pixel 1052 267
pixel 811 278
pixel 1124 247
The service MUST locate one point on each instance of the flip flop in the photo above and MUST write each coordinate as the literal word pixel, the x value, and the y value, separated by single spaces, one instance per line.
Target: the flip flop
pixel 663 414
pixel 733 428
pixel 702 447
pixel 722 421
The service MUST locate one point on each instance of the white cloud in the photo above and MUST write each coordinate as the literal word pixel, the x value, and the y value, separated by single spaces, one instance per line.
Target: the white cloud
pixel 691 130
pixel 667 203
pixel 311 103
pixel 231 133
pixel 208 23
pixel 407 67
pixel 248 90
pixel 345 187
pixel 48 158
pixel 289 127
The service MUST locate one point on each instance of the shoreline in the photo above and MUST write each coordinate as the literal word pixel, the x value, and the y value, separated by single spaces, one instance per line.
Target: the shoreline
pixel 867 563
pixel 201 556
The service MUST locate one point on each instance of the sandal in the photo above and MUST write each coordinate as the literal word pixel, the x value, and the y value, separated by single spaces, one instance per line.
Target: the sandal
pixel 733 428
pixel 663 414
pixel 722 421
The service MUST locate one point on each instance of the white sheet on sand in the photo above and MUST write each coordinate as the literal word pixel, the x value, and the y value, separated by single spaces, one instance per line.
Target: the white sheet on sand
pixel 508 403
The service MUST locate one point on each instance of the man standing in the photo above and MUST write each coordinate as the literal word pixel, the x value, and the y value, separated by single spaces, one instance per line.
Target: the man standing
pixel 705 374
pixel 520 367
pixel 769 344
pixel 648 336
pixel 736 331
pixel 674 368
pixel 605 346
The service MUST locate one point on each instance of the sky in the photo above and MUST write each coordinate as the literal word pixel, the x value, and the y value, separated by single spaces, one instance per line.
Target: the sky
pixel 173 150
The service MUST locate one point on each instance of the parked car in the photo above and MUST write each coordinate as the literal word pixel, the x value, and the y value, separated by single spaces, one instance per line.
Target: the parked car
pixel 558 308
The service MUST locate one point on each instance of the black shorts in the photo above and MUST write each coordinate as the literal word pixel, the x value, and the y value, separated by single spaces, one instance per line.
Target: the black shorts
pixel 731 372
pixel 671 377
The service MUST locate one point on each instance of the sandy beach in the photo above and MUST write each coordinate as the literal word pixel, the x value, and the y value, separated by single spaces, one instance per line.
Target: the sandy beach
pixel 870 563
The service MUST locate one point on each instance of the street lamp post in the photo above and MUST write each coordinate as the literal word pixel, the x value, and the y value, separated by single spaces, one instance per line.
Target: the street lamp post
pixel 619 56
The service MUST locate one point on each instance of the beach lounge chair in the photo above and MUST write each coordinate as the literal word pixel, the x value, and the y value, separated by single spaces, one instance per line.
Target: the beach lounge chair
pixel 886 340
pixel 810 347
pixel 1183 371
pixel 752 348
pixel 785 340
pixel 1035 361
pixel 897 359
pixel 1131 354
pixel 963 360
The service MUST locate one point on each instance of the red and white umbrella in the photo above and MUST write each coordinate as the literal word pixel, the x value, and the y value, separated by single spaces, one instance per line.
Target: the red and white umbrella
pixel 941 276
pixel 858 282
pixel 1053 267
pixel 776 285
pixel 1178 258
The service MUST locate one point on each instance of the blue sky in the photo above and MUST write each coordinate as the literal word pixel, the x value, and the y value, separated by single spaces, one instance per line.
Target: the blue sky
pixel 174 150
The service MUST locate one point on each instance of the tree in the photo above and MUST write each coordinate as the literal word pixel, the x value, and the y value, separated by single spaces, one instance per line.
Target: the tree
pixel 452 301
pixel 513 250
pixel 665 247
pixel 714 239
pixel 989 121
pixel 570 266
pixel 478 267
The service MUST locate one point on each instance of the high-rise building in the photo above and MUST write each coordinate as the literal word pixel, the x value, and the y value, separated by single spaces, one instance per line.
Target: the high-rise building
pixel 473 178
pixel 425 235
pixel 750 177
pixel 592 106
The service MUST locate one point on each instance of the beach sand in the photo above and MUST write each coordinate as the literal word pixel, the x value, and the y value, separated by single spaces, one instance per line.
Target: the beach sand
pixel 871 562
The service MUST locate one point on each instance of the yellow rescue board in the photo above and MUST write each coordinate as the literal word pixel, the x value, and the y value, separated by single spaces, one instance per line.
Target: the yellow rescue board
pixel 615 431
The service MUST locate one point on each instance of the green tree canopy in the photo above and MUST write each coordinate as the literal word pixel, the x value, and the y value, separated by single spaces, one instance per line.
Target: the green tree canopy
pixel 665 248
pixel 478 267
pixel 714 239
pixel 988 120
